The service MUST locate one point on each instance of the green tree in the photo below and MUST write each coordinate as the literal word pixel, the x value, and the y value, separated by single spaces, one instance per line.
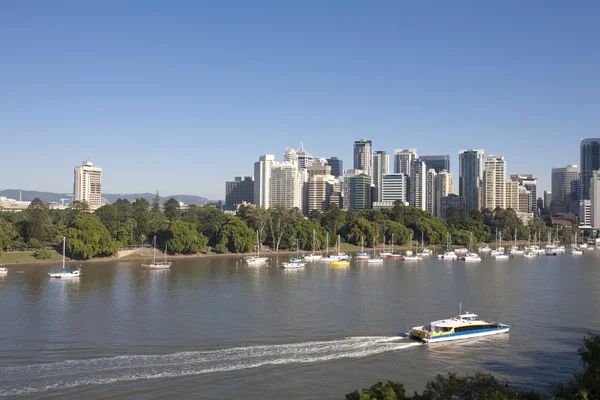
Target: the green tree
pixel 79 206
pixel 256 218
pixel 124 210
pixel 171 209
pixel 141 214
pixel 380 391
pixel 236 236
pixel 38 221
pixel 399 232
pixel 88 238
pixel 107 215
pixel 585 384
pixel 126 233
pixel 333 219
pixel 156 203
pixel 184 239
pixel 280 221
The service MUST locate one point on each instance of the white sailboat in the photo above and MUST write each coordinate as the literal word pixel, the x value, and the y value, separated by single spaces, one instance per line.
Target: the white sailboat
pixel 409 254
pixel 258 260
pixel 65 272
pixel 313 257
pixel 157 264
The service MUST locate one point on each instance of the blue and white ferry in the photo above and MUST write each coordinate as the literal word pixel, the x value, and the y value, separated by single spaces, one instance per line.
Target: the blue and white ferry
pixel 463 326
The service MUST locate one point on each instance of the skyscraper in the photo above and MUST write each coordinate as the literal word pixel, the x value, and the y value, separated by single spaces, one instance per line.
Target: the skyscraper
pixel 595 199
pixel 262 179
pixel 511 195
pixel 357 192
pixel 470 176
pixel 287 185
pixel 305 159
pixel 381 166
pixel 589 152
pixel 430 197
pixel 337 166
pixel 402 160
pixel 443 189
pixel 418 185
pixel 437 163
pixel 320 189
pixel 495 192
pixel 363 156
pixel 238 191
pixel 395 187
pixel 529 182
pixel 562 179
pixel 87 184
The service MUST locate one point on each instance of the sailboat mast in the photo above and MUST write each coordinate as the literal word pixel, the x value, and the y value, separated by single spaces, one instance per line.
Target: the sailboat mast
pixel 64 243
pixel 154 250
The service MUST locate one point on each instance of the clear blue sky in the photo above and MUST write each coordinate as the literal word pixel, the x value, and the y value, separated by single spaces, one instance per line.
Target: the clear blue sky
pixel 181 96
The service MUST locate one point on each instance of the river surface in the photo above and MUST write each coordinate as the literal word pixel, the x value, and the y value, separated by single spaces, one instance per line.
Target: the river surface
pixel 213 328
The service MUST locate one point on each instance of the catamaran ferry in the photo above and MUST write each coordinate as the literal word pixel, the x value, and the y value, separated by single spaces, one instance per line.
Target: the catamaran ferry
pixel 463 326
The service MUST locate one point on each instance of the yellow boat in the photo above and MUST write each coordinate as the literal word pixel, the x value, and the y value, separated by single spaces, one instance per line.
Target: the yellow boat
pixel 340 263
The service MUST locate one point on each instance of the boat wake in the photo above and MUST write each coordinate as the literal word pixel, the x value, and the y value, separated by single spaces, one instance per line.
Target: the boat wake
pixel 27 379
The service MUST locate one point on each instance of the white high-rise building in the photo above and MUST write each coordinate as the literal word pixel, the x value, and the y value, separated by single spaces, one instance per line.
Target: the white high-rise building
pixel 262 179
pixel 381 167
pixel 363 156
pixel 444 187
pixel 595 198
pixel 395 187
pixel 511 195
pixel 87 185
pixel 418 185
pixel 494 193
pixel 430 198
pixel 403 159
pixel 287 185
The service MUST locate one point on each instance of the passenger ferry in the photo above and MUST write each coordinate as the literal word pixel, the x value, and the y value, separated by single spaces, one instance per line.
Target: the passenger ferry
pixel 463 326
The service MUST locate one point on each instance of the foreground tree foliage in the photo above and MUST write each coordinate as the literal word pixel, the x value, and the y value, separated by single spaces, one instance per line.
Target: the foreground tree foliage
pixel 88 238
pixel 585 385
pixel 206 228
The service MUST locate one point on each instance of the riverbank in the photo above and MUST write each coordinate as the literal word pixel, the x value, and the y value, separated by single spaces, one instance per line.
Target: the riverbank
pixel 26 258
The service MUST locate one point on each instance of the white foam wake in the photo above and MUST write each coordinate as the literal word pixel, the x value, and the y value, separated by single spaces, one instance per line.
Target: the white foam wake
pixel 26 379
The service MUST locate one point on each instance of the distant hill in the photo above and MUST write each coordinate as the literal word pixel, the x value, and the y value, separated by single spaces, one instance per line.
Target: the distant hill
pixel 47 197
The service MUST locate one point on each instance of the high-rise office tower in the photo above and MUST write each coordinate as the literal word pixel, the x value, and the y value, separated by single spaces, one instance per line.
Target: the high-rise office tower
pixel 470 176
pixel 305 159
pixel 363 156
pixel 529 182
pixel 287 185
pixel 87 184
pixel 262 179
pixel 319 168
pixel 511 195
pixel 444 187
pixel 337 166
pixel 524 200
pixel 320 190
pixel 238 191
pixel 357 191
pixel 395 187
pixel 403 159
pixel 431 195
pixel 437 163
pixel 381 167
pixel 494 192
pixel 589 152
pixel 451 201
pixel 418 185
pixel 562 185
pixel 595 199
pixel 547 199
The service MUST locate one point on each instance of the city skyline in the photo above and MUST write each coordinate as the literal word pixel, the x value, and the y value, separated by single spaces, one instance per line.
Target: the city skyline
pixel 165 93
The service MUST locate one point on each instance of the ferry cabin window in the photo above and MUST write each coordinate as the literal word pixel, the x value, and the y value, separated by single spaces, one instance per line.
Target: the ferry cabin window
pixel 472 328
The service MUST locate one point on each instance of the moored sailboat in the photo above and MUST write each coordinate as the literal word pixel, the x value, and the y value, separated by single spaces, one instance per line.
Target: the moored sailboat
pixel 157 264
pixel 65 272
